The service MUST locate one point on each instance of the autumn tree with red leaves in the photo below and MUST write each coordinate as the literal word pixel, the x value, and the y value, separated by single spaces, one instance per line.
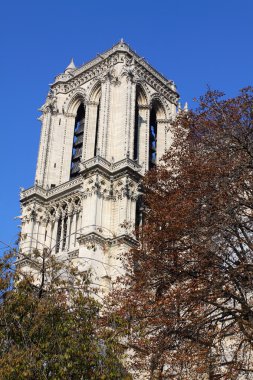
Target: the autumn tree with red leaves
pixel 187 305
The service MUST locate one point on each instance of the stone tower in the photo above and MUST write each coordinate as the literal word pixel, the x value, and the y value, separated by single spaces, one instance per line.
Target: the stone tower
pixel 104 125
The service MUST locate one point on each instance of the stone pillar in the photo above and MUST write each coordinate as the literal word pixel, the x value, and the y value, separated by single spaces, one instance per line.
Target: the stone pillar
pixel 30 232
pixel 73 231
pixel 104 111
pixel 50 233
pixel 43 148
pixel 41 242
pixel 90 130
pixel 65 152
pixel 62 232
pixel 47 233
pixel 161 139
pixel 52 176
pixel 107 214
pixel 76 232
pixel 54 235
pixel 25 237
pixel 68 231
pixel 130 111
pixel 133 211
pixel 144 114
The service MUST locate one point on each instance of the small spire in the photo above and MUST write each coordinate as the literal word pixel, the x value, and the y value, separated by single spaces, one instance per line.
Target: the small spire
pixel 186 106
pixel 70 67
pixel 122 41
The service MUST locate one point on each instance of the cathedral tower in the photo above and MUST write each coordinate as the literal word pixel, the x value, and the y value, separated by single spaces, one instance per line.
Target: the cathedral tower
pixel 104 125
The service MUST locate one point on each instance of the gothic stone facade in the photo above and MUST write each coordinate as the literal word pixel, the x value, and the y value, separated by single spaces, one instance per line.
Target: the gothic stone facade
pixel 104 125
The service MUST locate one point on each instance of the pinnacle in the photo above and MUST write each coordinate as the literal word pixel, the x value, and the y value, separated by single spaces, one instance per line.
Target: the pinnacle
pixel 71 66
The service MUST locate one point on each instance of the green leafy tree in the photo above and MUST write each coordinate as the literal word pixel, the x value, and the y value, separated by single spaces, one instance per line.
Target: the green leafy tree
pixel 50 324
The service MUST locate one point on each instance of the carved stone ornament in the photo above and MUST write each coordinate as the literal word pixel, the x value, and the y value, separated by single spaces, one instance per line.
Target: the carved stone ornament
pixel 129 71
pixel 50 105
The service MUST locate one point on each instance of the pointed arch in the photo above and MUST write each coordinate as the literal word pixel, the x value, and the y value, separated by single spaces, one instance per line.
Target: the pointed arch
pixel 157 112
pixel 77 147
pixel 141 95
pixel 95 92
pixel 140 101
pixel 157 105
pixel 73 101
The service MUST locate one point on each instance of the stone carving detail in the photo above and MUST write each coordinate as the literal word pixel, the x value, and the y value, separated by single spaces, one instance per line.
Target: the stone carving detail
pixel 109 75
pixel 64 207
pixel 37 190
pixel 50 105
pixel 101 68
pixel 76 93
pixel 129 70
pixel 51 211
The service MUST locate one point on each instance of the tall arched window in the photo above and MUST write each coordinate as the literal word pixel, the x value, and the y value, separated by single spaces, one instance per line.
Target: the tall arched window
pixel 77 141
pixel 153 137
pixel 140 100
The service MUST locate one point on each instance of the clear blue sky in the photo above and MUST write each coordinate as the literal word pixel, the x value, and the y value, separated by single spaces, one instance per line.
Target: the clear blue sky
pixel 193 42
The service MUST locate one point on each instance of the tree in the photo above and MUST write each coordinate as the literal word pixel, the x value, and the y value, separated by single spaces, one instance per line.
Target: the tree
pixel 50 324
pixel 187 302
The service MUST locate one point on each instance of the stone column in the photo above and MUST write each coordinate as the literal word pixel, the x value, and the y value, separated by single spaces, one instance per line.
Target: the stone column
pixel 104 112
pixel 62 232
pixel 90 130
pixel 65 153
pixel 52 176
pixel 50 233
pixel 130 111
pixel 54 234
pixel 76 232
pixel 73 231
pixel 161 138
pixel 41 234
pixel 47 233
pixel 69 222
pixel 43 148
pixel 144 115
pixel 31 231
pixel 133 211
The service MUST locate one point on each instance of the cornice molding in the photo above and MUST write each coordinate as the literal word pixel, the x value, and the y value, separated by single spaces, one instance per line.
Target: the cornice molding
pixel 94 237
pixel 96 165
pixel 104 63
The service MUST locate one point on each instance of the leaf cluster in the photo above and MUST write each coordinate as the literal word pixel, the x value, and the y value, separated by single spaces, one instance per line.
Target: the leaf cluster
pixel 50 325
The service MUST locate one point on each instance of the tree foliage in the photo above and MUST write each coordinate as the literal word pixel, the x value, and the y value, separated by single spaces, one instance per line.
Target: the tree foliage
pixel 188 297
pixel 49 323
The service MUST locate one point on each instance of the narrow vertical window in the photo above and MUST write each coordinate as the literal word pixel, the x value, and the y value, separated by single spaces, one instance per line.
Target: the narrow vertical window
pixel 64 235
pixel 96 133
pixel 58 236
pixel 152 138
pixel 136 131
pixel 78 141
pixel 138 215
